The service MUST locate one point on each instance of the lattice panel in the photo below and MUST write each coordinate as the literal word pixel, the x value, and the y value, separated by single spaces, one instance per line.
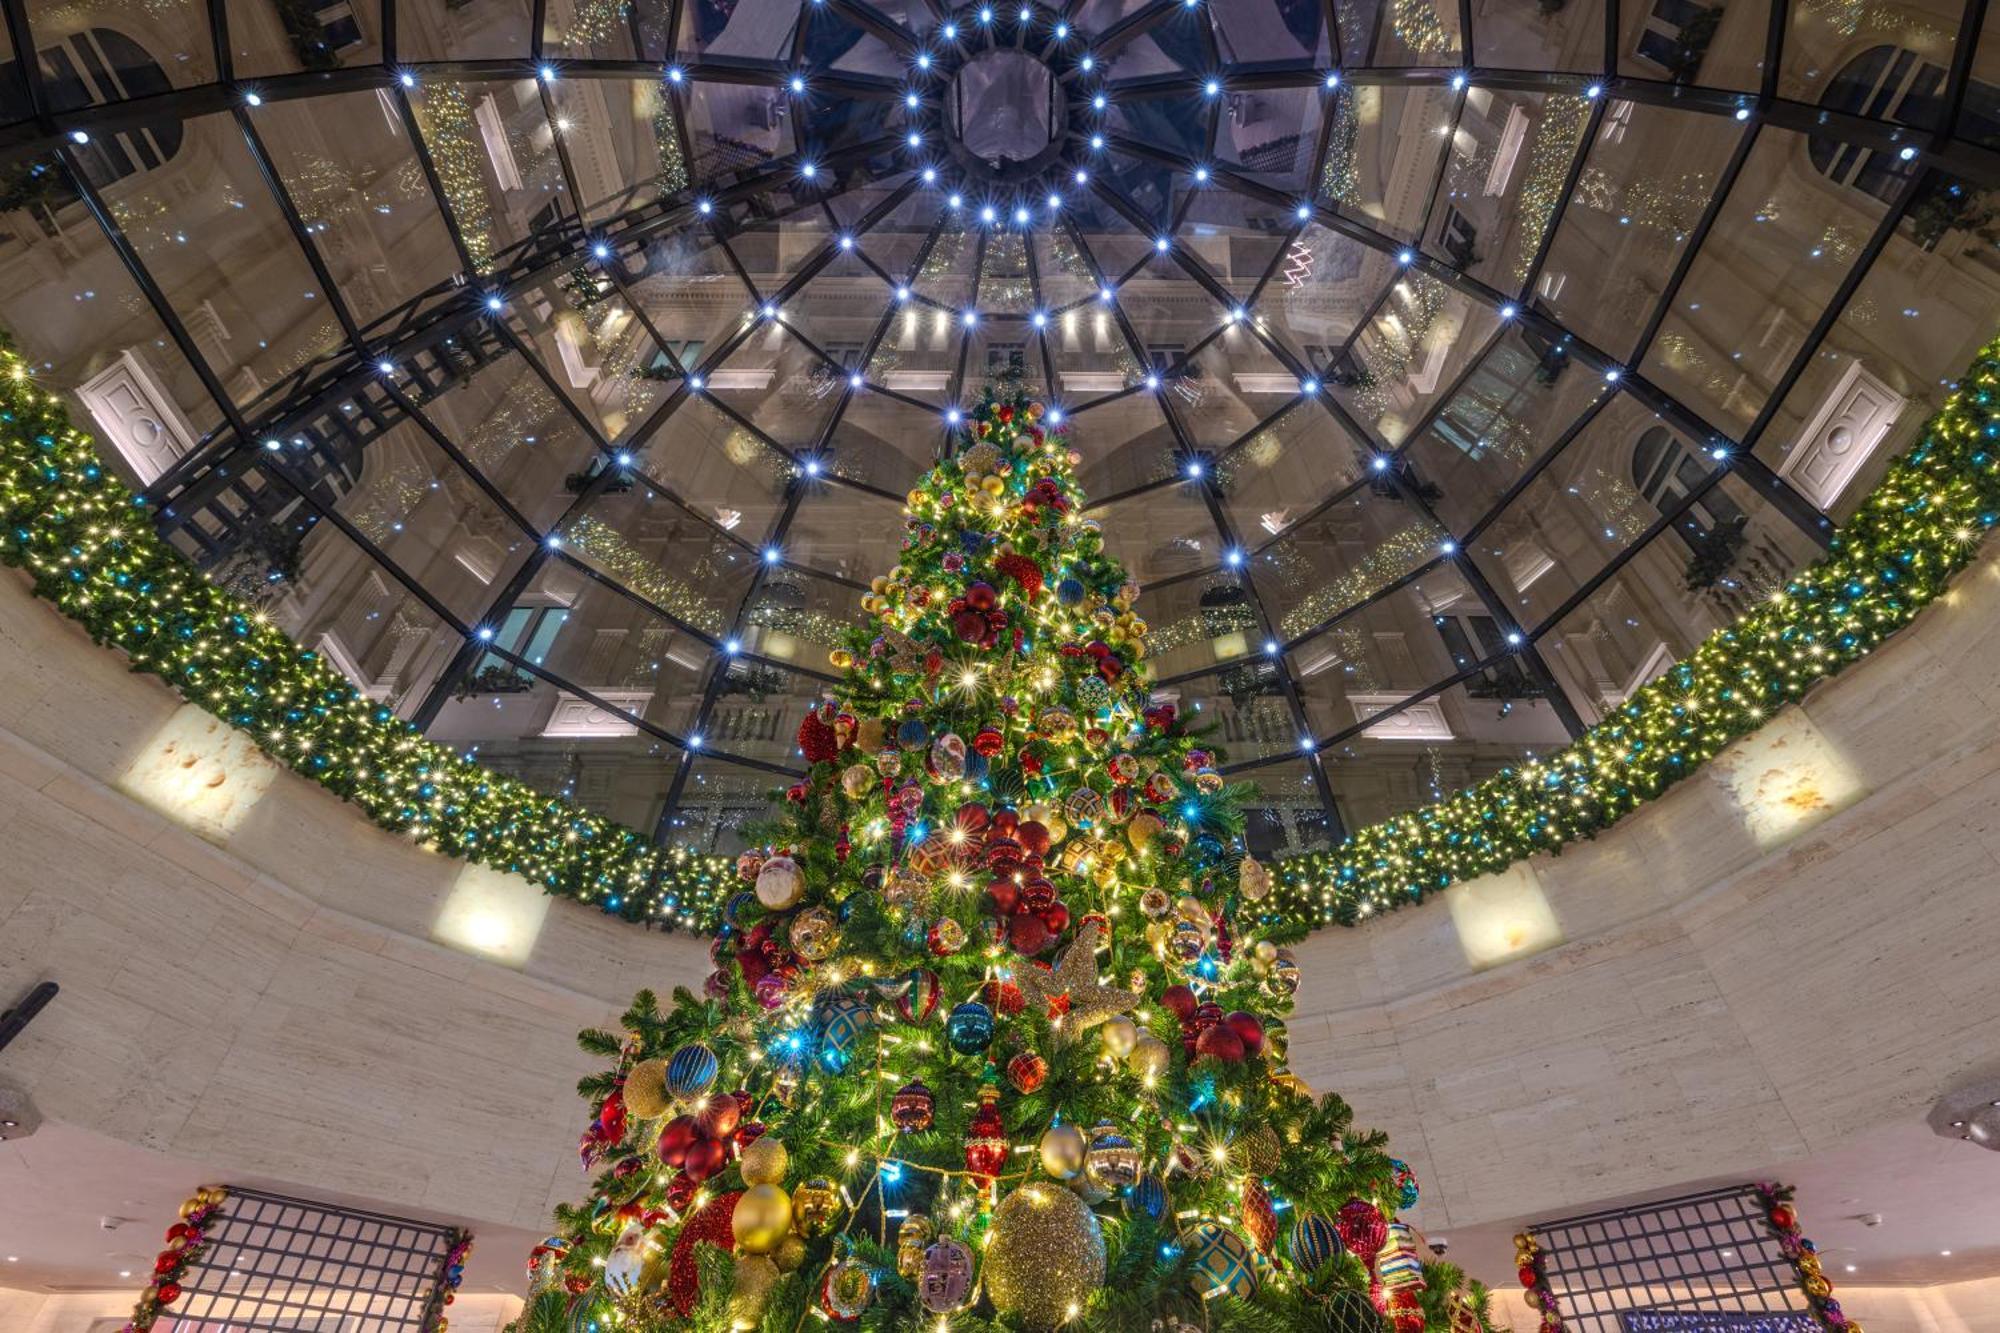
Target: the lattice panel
pixel 1701 1263
pixel 286 1265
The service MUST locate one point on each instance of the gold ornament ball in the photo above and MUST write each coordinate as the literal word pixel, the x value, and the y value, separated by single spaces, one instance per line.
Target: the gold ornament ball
pixel 646 1090
pixel 815 934
pixel 764 1162
pixel 756 1278
pixel 1259 1150
pixel 762 1217
pixel 1044 1255
pixel 1063 1147
pixel 1155 904
pixel 1120 1034
pixel 791 1252
pixel 857 780
pixel 816 1206
pixel 1150 1057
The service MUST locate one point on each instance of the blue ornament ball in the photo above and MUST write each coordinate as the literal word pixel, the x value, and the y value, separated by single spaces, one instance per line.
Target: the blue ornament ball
pixel 1222 1264
pixel 691 1071
pixel 1069 591
pixel 969 1029
pixel 976 766
pixel 1148 1195
pixel 1312 1242
pixel 913 734
pixel 740 902
pixel 842 1021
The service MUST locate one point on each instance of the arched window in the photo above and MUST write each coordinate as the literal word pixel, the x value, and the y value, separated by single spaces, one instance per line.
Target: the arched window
pixel 1666 472
pixel 100 65
pixel 1885 83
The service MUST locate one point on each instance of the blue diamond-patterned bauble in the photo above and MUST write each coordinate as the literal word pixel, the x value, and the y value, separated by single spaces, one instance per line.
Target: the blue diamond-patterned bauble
pixel 969 1028
pixel 842 1021
pixel 1222 1264
pixel 1312 1243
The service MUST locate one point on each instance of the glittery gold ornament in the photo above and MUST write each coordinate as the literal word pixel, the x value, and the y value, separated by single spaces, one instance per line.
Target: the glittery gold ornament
pixel 1044 1255
pixel 1150 1057
pixel 1075 976
pixel 756 1278
pixel 646 1090
pixel 816 1206
pixel 1253 879
pixel 791 1252
pixel 1062 1148
pixel 912 1239
pixel 1258 1149
pixel 762 1217
pixel 764 1162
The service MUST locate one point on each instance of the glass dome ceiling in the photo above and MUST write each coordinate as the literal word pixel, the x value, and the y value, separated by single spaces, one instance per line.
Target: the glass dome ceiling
pixel 1443 369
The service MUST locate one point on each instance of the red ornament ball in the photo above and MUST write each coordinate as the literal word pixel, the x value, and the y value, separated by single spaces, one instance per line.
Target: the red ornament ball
pixel 1222 1043
pixel 166 1261
pixel 719 1118
pixel 1783 1218
pixel 1248 1027
pixel 167 1293
pixel 676 1137
pixel 1180 1001
pixel 1056 917
pixel 1003 998
pixel 1529 1277
pixel 1034 835
pixel 705 1157
pixel 1028 934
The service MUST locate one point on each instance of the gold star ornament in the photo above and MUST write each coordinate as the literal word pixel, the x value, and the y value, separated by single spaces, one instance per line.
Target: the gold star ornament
pixel 1074 978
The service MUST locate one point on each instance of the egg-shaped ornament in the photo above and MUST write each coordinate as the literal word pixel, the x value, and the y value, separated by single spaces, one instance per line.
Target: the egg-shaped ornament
pixel 815 934
pixel 626 1261
pixel 1253 880
pixel 780 883
pixel 945 1283
pixel 1221 1263
pixel 762 1218
pixel 1148 1195
pixel 969 1028
pixel 816 1206
pixel 1044 1255
pixel 848 1291
pixel 1312 1243
pixel 918 999
pixel 1283 980
pixel 948 757
pixel 913 1107
pixel 1112 1160
pixel 1062 1150
pixel 691 1071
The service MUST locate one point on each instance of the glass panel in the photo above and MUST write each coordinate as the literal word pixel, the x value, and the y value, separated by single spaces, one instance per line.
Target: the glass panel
pixel 669 556
pixel 798 617
pixel 1784 240
pixel 711 28
pixel 1334 559
pixel 840 530
pixel 1554 35
pixel 1270 135
pixel 711 462
pixel 1508 412
pixel 1244 708
pixel 1424 755
pixel 886 442
pixel 509 426
pixel 1383 136
pixel 1427 631
pixel 1279 473
pixel 1510 157
pixel 721 802
pixel 781 386
pixel 686 286
pixel 1890 359
pixel 918 356
pixel 1411 350
pixel 13 91
pixel 1398 32
pixel 623 140
pixel 1161 533
pixel 1684 41
pixel 282 39
pixel 1889 65
pixel 733 127
pixel 451 30
pixel 1979 118
pixel 1092 356
pixel 1649 176
pixel 351 173
pixel 1285 817
pixel 1598 497
pixel 1269 30
pixel 598 29
pixel 225 256
pixel 1227 386
pixel 1125 443
pixel 1237 240
pixel 1196 622
pixel 1325 287
pixel 495 155
pixel 98 51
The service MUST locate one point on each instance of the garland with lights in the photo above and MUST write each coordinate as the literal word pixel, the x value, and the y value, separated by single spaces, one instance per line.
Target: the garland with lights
pixel 995 1036
pixel 75 529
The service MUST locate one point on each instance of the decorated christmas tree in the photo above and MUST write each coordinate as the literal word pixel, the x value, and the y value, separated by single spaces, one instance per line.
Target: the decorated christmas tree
pixel 995 1034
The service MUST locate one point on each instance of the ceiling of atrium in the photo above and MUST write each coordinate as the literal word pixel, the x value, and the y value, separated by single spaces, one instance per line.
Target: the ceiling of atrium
pixel 1443 371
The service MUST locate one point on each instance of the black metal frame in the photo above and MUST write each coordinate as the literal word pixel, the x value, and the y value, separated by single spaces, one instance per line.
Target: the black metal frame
pixel 277 1263
pixel 230 468
pixel 1711 1253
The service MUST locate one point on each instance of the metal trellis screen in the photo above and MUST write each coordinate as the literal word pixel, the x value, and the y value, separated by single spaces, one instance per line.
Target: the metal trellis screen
pixel 287 1264
pixel 1701 1263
